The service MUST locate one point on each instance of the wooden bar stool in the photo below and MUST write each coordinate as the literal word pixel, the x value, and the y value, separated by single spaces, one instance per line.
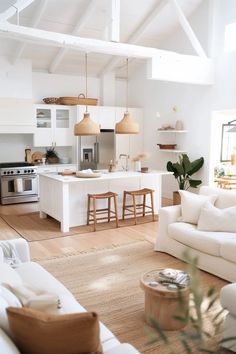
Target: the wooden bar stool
pixel 138 208
pixel 92 213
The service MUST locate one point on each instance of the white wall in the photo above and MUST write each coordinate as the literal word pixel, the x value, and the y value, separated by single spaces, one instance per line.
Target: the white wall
pixel 12 146
pixel 195 103
pixel 54 85
pixel 15 80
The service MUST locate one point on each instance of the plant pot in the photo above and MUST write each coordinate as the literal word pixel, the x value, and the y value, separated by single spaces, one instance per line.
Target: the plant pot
pixel 176 198
pixel 51 160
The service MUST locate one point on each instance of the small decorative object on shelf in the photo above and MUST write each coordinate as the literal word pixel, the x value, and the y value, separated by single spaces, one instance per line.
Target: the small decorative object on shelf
pixel 137 160
pixel 179 125
pixel 167 146
pixel 166 127
pixel 51 100
pixel 51 155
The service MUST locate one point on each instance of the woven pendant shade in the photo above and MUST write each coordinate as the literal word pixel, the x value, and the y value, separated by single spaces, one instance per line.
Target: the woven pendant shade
pixel 127 125
pixel 86 126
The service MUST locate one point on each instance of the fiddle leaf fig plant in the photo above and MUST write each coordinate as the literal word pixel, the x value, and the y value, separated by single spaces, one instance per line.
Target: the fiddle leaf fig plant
pixel 184 169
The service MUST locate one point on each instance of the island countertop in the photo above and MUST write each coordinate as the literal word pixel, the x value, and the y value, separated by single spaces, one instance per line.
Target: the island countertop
pixel 65 197
pixel 104 176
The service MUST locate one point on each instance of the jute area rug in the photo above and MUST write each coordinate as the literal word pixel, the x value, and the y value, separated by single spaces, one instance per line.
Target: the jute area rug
pixel 32 228
pixel 108 282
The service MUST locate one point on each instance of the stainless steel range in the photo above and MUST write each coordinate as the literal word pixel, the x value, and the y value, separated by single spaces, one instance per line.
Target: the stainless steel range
pixel 19 182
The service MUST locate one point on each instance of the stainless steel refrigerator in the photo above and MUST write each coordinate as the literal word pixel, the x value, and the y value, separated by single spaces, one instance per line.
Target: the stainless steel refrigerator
pixel 96 152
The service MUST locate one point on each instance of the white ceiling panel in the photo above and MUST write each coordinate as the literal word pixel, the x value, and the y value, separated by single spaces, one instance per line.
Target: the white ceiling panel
pixel 63 16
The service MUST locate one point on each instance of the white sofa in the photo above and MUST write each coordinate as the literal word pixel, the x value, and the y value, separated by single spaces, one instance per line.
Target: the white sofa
pixel 227 299
pixel 34 274
pixel 216 251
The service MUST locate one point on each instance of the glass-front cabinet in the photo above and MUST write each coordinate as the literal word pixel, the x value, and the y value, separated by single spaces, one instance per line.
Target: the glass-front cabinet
pixel 54 125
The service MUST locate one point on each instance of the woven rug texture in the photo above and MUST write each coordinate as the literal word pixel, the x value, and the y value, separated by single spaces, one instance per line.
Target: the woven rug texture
pixel 32 228
pixel 107 282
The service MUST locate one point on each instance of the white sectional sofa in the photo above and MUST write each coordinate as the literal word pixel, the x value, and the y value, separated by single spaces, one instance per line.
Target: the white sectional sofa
pixel 216 251
pixel 227 299
pixel 35 275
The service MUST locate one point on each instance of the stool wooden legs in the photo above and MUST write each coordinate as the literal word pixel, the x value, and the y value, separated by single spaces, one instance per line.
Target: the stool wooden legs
pixel 152 206
pixel 116 213
pixel 93 213
pixel 133 209
pixel 134 205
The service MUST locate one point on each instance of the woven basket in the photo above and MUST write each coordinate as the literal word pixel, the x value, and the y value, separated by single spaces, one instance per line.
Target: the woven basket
pixel 78 100
pixel 51 100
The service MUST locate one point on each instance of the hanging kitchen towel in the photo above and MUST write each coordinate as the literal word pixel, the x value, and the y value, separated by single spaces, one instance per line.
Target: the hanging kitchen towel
pixel 18 185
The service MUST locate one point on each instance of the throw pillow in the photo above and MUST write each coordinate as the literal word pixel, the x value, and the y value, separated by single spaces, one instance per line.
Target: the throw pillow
pixel 214 219
pixel 6 344
pixel 6 299
pixel 36 298
pixel 191 204
pixel 36 332
pixel 9 275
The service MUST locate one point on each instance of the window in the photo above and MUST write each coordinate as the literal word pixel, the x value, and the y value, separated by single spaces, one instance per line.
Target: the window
pixel 228 141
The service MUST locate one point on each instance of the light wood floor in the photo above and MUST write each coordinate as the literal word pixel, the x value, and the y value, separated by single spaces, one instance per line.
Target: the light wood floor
pixel 46 249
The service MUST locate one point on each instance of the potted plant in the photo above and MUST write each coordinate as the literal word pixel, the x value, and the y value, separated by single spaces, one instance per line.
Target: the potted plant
pixel 51 155
pixel 182 171
pixel 203 319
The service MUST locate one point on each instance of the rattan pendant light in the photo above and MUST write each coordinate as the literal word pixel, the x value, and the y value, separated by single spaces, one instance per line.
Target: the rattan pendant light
pixel 86 126
pixel 127 125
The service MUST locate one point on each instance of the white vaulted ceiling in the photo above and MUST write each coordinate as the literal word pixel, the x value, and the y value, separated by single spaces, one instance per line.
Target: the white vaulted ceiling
pixel 91 17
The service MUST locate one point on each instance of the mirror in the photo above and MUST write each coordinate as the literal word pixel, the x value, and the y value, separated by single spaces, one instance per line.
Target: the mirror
pixel 228 141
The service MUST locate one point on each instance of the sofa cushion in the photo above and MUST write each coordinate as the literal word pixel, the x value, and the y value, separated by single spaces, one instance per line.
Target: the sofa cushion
pixel 225 198
pixel 30 271
pixel 227 298
pixel 9 275
pixel 191 204
pixel 6 344
pixel 228 250
pixel 215 219
pixel 36 332
pixel 206 242
pixel 6 299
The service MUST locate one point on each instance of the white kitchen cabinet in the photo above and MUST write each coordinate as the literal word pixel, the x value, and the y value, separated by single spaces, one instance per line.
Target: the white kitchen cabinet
pixel 16 115
pixel 107 117
pixel 44 169
pixel 92 110
pixel 54 125
pixel 55 168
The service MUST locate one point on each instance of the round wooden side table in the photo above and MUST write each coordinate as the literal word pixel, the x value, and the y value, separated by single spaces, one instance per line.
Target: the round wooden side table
pixel 161 303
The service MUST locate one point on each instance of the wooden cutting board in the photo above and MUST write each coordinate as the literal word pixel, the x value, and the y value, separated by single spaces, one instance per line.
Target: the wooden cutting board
pixel 67 173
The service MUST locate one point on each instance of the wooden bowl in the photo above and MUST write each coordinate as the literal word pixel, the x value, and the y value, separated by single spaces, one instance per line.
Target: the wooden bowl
pixel 167 146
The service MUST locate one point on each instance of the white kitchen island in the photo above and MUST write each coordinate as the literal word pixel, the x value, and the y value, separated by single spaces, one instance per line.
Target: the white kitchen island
pixel 65 197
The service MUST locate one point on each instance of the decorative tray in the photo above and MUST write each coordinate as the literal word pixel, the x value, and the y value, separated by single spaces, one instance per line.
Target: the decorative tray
pixel 87 175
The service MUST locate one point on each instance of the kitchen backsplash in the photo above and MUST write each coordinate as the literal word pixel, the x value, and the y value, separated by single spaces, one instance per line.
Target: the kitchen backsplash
pixel 12 147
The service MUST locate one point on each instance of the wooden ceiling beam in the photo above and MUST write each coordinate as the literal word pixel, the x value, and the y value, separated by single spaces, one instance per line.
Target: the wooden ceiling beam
pixel 135 36
pixel 17 7
pixel 115 21
pixel 79 25
pixel 34 23
pixel 67 41
pixel 188 29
